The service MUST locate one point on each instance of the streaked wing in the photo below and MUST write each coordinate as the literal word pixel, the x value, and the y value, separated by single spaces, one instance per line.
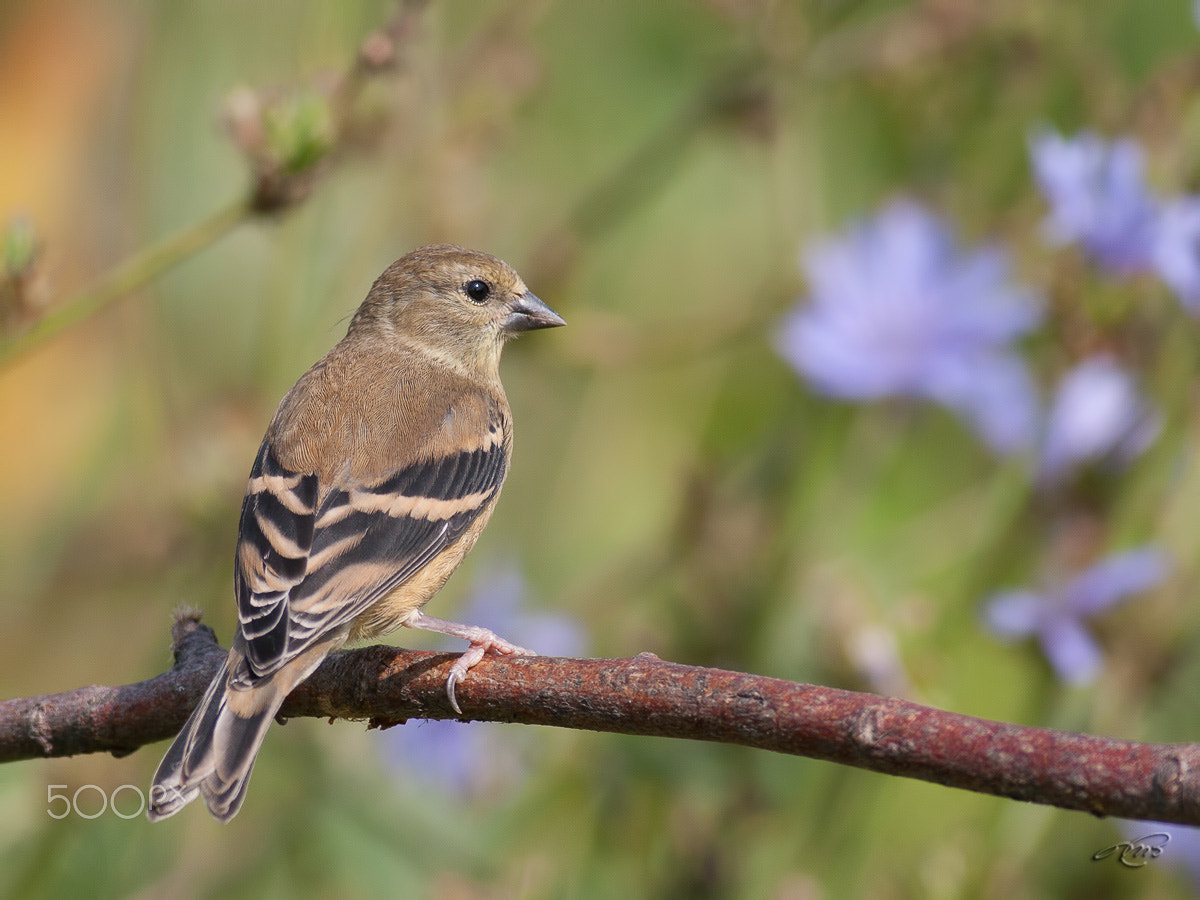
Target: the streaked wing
pixel 364 541
pixel 275 538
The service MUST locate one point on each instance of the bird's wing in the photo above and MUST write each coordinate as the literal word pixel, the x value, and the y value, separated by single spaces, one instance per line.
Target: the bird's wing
pixel 306 567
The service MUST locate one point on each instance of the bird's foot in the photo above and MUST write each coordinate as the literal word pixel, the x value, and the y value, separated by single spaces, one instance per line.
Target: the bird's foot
pixel 482 641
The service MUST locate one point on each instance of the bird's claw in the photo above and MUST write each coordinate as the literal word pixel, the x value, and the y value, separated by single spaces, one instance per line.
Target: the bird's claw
pixel 454 679
pixel 471 658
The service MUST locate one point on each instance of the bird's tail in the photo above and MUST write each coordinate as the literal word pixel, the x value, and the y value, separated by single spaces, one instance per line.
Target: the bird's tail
pixel 215 752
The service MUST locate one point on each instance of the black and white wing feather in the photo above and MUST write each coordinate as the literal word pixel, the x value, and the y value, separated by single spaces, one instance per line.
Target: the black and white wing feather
pixel 307 566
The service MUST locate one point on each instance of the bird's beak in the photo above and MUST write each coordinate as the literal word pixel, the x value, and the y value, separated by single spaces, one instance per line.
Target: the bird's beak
pixel 527 312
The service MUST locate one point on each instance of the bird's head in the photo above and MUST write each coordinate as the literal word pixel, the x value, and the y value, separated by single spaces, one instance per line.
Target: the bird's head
pixel 456 303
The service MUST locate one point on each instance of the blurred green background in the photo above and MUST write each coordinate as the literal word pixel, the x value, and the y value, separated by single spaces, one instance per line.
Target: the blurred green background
pixel 652 170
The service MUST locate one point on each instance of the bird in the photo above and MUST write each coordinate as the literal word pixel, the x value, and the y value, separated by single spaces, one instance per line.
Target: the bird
pixel 377 473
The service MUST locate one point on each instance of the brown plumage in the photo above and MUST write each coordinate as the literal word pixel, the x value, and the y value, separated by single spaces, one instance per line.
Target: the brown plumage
pixel 377 474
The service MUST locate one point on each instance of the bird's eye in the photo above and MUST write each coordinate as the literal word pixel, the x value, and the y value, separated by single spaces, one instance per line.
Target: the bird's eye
pixel 477 290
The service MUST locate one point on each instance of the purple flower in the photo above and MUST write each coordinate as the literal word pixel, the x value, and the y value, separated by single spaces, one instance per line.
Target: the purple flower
pixel 471 758
pixel 1097 413
pixel 466 759
pixel 897 309
pixel 1056 617
pixel 1177 250
pixel 1097 198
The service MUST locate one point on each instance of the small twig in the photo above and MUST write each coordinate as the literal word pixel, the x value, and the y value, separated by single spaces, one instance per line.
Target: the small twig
pixel 135 272
pixel 276 185
pixel 647 696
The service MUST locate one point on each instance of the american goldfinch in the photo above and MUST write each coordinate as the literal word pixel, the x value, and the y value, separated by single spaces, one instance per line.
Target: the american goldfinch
pixel 376 476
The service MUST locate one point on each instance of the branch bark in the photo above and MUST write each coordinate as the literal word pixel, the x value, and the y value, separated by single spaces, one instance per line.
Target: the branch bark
pixel 646 696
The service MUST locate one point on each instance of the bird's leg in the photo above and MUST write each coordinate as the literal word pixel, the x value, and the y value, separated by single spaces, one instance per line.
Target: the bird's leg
pixel 482 640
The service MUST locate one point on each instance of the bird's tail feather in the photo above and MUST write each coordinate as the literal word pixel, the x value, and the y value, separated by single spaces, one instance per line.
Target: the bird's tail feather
pixel 215 752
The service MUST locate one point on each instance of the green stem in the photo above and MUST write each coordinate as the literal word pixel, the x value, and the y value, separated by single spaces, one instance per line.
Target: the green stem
pixel 135 272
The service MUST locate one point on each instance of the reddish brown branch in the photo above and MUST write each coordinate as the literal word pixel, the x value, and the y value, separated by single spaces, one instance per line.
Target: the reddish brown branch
pixel 647 696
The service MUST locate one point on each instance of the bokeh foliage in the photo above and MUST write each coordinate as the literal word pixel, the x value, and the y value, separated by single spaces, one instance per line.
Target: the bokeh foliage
pixel 652 169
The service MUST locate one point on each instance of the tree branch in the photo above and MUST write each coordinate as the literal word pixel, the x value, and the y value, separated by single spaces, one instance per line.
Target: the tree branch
pixel 645 696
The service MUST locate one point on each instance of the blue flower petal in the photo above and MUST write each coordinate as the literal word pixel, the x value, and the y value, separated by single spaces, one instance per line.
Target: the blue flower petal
pixel 1097 411
pixel 1114 579
pixel 1072 652
pixel 994 392
pixel 1011 615
pixel 1098 198
pixel 1057 617
pixel 1177 250
pixel 897 309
